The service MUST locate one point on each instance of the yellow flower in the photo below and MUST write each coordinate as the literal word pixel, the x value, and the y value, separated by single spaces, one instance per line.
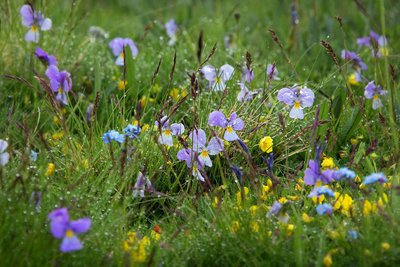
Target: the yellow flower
pixel 215 202
pixel 298 187
pixel 156 88
pixel 334 234
pixel 384 51
pixel 385 246
pixel 306 218
pixel 266 144
pixel 155 236
pixel 122 85
pixel 357 179
pixel 57 136
pixel 327 163
pixel 56 120
pixel 352 79
pixel 367 208
pixel 255 227
pixel 235 226
pixel 328 260
pixel 319 199
pixel 50 169
pixel 174 94
pixel 253 210
pixel 145 127
pixel 239 195
pixel 289 229
pixel 282 200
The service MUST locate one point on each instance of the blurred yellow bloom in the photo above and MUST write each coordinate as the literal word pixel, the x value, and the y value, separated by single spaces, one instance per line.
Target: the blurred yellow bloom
pixel 253 210
pixel 385 246
pixel 266 144
pixel 333 234
pixel 50 169
pixel 57 136
pixel 235 227
pixel 328 260
pixel 145 127
pixel 357 179
pixel 122 85
pixel 289 229
pixel 282 200
pixel 215 202
pixel 239 195
pixel 384 51
pixel 327 163
pixel 319 199
pixel 254 227
pixel 175 94
pixel 56 120
pixel 306 218
pixel 155 236
pixel 156 88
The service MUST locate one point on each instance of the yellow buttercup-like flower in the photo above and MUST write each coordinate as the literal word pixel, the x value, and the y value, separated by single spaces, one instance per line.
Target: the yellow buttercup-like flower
pixel 328 260
pixel 266 144
pixel 327 163
pixel 122 85
pixel 50 169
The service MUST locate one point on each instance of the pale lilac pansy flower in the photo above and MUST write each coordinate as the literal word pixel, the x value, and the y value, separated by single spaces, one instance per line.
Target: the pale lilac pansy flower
pixel 171 29
pixel 60 83
pixel 62 228
pixel 231 125
pixel 215 145
pixel 35 21
pixel 279 211
pixel 272 72
pixel 167 131
pixel 4 156
pixel 245 94
pixel 376 41
pixel 117 46
pixel 188 155
pixel 297 97
pixel 247 75
pixel 373 92
pixel 217 82
pixel 141 184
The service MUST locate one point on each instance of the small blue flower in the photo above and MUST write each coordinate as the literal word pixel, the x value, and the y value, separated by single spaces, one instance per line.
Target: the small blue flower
pixel 321 190
pixel 353 235
pixel 33 155
pixel 344 173
pixel 375 177
pixel 132 131
pixel 324 209
pixel 113 135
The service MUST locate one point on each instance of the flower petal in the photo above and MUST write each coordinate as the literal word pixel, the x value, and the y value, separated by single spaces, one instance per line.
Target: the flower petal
pixel 32 36
pixel 226 72
pixel 209 73
pixel 69 244
pixel 177 129
pixel 287 96
pixel 4 158
pixel 217 118
pixel 296 113
pixel 27 15
pixel 46 25
pixel 306 97
pixel 81 225
pixel 215 145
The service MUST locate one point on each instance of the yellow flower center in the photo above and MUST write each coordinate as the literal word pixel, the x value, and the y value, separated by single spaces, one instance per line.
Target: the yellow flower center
pixel 229 129
pixel 204 153
pixel 296 104
pixel 167 132
pixel 122 55
pixel 34 28
pixel 60 90
pixel 218 80
pixel 376 97
pixel 69 233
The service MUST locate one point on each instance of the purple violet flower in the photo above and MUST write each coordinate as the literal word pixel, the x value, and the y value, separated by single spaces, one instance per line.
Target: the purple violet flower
pixel 376 41
pixel 188 155
pixel 171 29
pixel 60 83
pixel 167 131
pixel 117 46
pixel 313 174
pixel 217 82
pixel 247 75
pixel 355 60
pixel 34 20
pixel 62 227
pixel 245 94
pixel 141 184
pixel 297 97
pixel 272 72
pixel 373 92
pixel 44 57
pixel 4 156
pixel 234 123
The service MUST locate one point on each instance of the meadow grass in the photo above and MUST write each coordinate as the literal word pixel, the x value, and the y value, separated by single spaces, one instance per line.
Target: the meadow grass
pixel 223 222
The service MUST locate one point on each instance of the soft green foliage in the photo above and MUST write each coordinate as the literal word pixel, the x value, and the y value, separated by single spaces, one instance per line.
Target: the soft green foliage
pixel 198 225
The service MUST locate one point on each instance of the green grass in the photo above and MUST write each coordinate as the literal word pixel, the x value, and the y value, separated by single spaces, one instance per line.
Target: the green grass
pixel 196 230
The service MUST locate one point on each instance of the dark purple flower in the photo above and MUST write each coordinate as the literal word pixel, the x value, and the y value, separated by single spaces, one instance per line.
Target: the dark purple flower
pixel 234 123
pixel 34 21
pixel 62 227
pixel 60 82
pixel 44 57
pixel 355 60
pixel 117 46
pixel 313 174
pixel 297 97
pixel 373 92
